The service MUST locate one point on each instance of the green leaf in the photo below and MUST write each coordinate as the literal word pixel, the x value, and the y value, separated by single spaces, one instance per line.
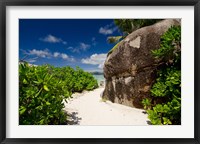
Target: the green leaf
pixel 46 88
pixel 48 103
pixel 37 82
pixel 38 92
pixel 166 121
pixel 41 121
pixel 25 81
pixel 22 110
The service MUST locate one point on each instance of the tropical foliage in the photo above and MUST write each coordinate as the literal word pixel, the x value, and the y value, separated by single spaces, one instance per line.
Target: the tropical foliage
pixel 168 83
pixel 42 90
pixel 127 26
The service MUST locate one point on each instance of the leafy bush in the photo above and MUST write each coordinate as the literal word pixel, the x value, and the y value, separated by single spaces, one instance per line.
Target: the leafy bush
pixel 42 90
pixel 146 103
pixel 168 84
pixel 170 47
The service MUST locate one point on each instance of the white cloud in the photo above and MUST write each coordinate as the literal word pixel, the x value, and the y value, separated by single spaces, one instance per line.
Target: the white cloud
pixel 75 50
pixel 108 29
pixel 81 47
pixel 64 56
pixel 52 39
pixel 100 66
pixel 31 60
pixel 84 46
pixel 56 54
pixel 95 59
pixel 72 59
pixel 47 54
pixel 105 31
pixel 40 53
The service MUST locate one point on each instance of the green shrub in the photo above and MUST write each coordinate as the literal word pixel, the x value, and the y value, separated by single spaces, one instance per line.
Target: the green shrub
pixel 42 90
pixel 167 86
pixel 168 83
pixel 146 103
pixel 170 47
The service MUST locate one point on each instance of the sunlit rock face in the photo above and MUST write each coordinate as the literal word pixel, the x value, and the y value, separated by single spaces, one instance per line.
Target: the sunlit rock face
pixel 130 70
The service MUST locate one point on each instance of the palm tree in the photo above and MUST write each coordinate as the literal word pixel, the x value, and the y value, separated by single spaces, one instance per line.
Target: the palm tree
pixel 127 26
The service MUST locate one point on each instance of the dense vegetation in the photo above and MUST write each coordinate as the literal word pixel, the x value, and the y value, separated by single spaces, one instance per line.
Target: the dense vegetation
pixel 168 83
pixel 42 90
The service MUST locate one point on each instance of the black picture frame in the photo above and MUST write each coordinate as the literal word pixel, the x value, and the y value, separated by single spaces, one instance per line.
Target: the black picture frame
pixel 5 3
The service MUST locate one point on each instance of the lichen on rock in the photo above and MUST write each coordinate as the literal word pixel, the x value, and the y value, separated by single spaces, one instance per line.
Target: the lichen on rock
pixel 135 43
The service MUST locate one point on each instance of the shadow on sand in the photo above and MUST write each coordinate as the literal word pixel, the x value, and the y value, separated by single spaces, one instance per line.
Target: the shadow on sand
pixel 73 119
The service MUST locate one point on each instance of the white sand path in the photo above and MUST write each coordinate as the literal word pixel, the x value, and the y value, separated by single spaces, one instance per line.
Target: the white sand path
pixel 89 109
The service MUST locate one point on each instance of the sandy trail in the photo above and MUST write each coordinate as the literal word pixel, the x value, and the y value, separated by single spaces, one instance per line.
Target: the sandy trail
pixel 89 109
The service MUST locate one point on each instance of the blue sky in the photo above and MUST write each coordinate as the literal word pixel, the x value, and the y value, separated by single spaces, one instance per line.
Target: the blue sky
pixel 66 42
